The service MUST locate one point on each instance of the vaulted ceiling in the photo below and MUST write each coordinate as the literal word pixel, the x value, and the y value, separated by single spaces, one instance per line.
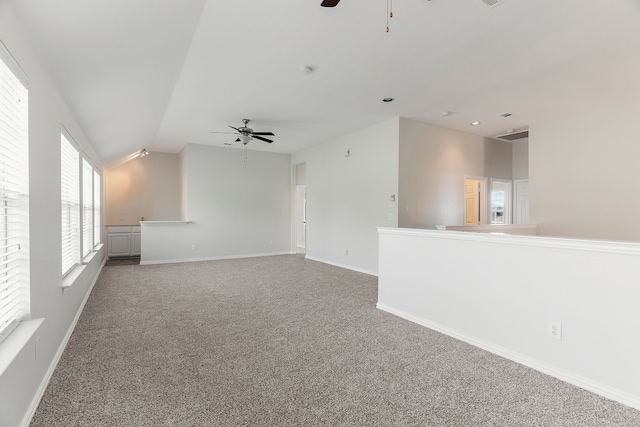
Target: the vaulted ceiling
pixel 163 73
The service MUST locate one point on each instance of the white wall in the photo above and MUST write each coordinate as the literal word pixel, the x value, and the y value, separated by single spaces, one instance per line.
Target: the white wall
pixel 347 197
pixel 501 292
pixel 24 378
pixel 520 159
pixel 146 187
pixel 237 208
pixel 584 173
pixel 433 163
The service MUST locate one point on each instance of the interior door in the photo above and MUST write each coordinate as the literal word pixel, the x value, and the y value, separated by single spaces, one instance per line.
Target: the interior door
pixel 472 202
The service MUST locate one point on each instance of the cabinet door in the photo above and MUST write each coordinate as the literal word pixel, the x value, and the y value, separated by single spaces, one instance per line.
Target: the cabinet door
pixel 136 243
pixel 119 244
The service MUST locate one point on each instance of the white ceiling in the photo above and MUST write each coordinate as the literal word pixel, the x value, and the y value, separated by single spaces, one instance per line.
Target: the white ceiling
pixel 163 73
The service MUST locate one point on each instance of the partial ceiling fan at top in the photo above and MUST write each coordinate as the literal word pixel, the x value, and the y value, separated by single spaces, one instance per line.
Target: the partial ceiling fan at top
pixel 334 3
pixel 247 134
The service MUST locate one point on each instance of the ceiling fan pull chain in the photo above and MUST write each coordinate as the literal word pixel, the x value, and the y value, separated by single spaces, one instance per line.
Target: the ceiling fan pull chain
pixel 389 12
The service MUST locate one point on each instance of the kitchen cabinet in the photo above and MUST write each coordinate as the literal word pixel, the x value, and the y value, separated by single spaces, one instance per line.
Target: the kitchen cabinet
pixel 123 240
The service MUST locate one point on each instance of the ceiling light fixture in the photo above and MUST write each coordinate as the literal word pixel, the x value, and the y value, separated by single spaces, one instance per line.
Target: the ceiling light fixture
pixel 305 69
pixel 387 99
pixel 474 123
pixel 143 153
pixel 446 113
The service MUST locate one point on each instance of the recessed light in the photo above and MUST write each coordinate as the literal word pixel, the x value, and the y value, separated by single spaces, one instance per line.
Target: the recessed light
pixel 474 123
pixel 305 69
pixel 446 113
pixel 387 99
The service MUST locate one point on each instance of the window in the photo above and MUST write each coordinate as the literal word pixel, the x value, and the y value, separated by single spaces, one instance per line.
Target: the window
pixel 14 195
pixel 96 208
pixel 70 201
pixel 87 208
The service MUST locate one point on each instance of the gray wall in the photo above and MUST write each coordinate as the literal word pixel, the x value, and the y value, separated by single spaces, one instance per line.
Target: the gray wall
pixel 583 175
pixel 146 187
pixel 349 196
pixel 433 163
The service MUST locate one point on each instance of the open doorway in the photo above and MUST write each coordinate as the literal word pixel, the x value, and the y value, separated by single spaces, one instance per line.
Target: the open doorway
pixel 299 206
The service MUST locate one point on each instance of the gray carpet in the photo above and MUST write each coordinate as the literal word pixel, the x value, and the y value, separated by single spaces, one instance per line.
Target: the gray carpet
pixel 284 341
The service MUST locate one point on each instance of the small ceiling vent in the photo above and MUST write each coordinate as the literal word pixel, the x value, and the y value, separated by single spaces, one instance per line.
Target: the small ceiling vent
pixel 492 3
pixel 514 135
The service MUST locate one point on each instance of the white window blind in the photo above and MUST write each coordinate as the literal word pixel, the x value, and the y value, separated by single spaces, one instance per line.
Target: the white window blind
pixel 96 208
pixel 70 200
pixel 87 207
pixel 14 198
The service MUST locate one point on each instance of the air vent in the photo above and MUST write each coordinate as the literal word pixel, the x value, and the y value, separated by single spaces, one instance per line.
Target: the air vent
pixel 513 136
pixel 492 3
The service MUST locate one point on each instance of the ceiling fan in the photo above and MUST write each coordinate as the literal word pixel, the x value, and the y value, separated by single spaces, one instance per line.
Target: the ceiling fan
pixel 329 3
pixel 247 134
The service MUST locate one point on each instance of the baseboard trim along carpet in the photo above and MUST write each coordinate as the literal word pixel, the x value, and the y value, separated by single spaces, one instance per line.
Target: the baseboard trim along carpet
pixel 63 345
pixel 348 267
pixel 579 381
pixel 215 258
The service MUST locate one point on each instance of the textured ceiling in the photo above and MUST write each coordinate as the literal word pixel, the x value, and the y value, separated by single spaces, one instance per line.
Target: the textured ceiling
pixel 163 73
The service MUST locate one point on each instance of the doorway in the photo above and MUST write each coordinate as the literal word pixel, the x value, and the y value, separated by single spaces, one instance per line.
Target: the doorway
pixel 521 201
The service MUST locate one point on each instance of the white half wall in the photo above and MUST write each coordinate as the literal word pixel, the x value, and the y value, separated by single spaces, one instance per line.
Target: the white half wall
pixel 235 208
pixel 23 379
pixel 500 293
pixel 433 163
pixel 350 183
pixel 583 172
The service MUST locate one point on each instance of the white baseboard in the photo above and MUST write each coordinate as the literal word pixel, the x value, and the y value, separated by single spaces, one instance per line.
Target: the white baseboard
pixel 215 258
pixel 348 267
pixel 54 363
pixel 577 380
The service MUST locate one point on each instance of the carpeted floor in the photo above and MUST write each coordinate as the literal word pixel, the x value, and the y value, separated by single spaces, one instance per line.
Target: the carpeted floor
pixel 284 341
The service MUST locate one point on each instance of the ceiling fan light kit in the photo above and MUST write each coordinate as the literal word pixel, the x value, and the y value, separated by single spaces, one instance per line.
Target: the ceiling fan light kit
pixel 247 134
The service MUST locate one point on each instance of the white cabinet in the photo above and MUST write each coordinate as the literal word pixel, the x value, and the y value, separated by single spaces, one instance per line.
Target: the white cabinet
pixel 123 240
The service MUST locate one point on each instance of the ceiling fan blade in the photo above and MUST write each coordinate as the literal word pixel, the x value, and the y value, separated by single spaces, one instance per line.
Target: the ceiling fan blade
pixel 262 139
pixel 230 133
pixel 263 133
pixel 236 129
pixel 329 3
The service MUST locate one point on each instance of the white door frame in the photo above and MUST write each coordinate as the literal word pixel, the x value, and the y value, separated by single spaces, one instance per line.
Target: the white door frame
pixel 515 199
pixel 300 216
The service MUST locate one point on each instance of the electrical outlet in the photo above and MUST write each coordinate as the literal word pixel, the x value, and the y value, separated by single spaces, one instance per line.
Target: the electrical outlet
pixel 346 251
pixel 37 346
pixel 555 330
pixel 193 247
pixel 270 242
pixel 390 217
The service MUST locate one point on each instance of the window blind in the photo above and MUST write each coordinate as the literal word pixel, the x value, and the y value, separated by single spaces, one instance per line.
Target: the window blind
pixel 96 208
pixel 70 201
pixel 14 199
pixel 87 207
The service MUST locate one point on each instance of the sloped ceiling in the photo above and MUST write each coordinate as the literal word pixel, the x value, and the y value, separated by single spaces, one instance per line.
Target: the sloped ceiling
pixel 163 73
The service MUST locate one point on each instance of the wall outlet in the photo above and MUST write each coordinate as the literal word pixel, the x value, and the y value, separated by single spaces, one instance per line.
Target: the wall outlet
pixel 270 242
pixel 390 217
pixel 193 247
pixel 348 153
pixel 555 330
pixel 37 346
pixel 346 251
